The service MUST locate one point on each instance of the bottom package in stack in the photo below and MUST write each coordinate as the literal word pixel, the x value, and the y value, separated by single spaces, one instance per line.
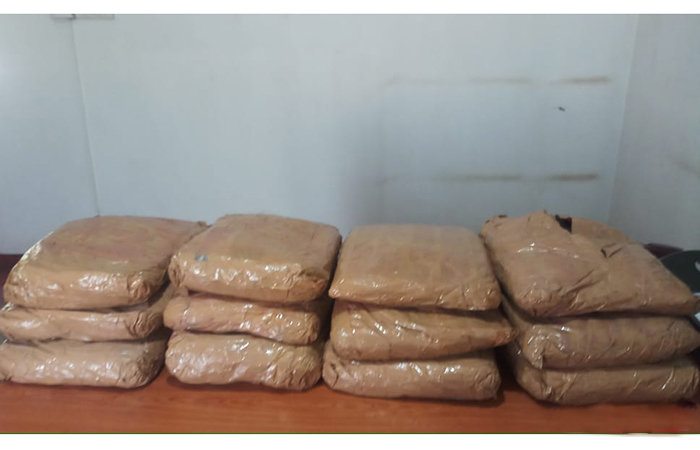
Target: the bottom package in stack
pixel 470 377
pixel 198 358
pixel 661 382
pixel 123 364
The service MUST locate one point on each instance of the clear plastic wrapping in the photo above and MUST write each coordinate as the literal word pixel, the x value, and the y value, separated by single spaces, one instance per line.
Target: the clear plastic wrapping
pixel 662 382
pixel 101 262
pixel 563 267
pixel 298 323
pixel 372 332
pixel 259 257
pixel 233 358
pixel 469 377
pixel 114 324
pixel 125 364
pixel 602 340
pixel 415 265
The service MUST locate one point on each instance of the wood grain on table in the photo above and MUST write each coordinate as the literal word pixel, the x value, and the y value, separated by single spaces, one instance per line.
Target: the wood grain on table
pixel 171 407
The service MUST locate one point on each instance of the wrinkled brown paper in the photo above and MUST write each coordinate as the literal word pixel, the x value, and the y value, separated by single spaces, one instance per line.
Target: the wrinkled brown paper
pixel 101 262
pixel 124 364
pixel 469 377
pixel 415 265
pixel 298 323
pixel 371 332
pixel 602 340
pixel 232 358
pixel 547 270
pixel 259 257
pixel 114 324
pixel 662 382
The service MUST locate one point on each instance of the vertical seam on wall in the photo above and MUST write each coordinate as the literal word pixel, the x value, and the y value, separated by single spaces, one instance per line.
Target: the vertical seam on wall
pixel 624 120
pixel 85 120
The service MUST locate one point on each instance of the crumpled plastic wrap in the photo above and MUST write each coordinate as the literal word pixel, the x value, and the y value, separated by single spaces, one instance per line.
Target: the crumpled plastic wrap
pixel 602 340
pixel 123 364
pixel 115 324
pixel 233 358
pixel 548 270
pixel 101 262
pixel 662 382
pixel 259 257
pixel 298 323
pixel 372 332
pixel 415 265
pixel 470 377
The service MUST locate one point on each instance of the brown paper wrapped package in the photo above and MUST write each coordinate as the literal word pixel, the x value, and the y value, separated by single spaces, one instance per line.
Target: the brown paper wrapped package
pixel 102 262
pixel 234 358
pixel 662 382
pixel 124 364
pixel 298 323
pixel 548 271
pixel 415 265
pixel 259 257
pixel 471 377
pixel 371 332
pixel 603 340
pixel 114 324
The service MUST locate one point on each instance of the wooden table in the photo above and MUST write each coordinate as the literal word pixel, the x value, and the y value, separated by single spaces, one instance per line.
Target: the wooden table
pixel 169 406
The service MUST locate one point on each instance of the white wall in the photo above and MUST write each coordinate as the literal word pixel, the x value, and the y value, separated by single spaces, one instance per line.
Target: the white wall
pixel 356 119
pixel 657 192
pixel 45 170
pixel 347 120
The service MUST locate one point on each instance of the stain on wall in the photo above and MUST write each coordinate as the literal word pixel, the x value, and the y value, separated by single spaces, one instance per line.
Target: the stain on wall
pixel 497 177
pixel 521 80
pixel 572 177
pixel 502 80
pixel 686 165
pixel 601 79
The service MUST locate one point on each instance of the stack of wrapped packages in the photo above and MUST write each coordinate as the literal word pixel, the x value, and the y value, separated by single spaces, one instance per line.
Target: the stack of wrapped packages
pixel 600 319
pixel 251 303
pixel 416 315
pixel 85 304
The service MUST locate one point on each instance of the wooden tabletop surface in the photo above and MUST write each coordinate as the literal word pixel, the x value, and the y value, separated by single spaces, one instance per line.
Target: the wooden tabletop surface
pixel 169 406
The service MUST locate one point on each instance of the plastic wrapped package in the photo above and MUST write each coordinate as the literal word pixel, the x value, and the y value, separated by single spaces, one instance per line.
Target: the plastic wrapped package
pixel 602 340
pixel 123 364
pixel 596 231
pixel 114 324
pixel 571 267
pixel 298 323
pixel 259 257
pixel 662 382
pixel 415 265
pixel 372 332
pixel 234 358
pixel 469 377
pixel 101 262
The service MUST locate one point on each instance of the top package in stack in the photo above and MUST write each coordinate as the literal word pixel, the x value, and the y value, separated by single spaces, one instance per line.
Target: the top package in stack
pixel 85 304
pixel 252 304
pixel 599 318
pixel 415 315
